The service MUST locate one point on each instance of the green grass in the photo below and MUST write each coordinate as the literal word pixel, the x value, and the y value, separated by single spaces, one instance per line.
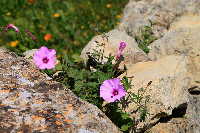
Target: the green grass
pixel 79 21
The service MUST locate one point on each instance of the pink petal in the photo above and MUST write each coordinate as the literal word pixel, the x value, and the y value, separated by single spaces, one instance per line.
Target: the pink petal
pixel 115 82
pixel 122 46
pixel 42 66
pixel 52 52
pixel 50 64
pixel 42 53
pixel 12 26
pixel 107 88
pixel 44 50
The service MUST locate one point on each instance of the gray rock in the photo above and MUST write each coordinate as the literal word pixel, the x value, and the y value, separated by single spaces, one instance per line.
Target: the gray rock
pixel 29 102
pixel 160 13
pixel 193 111
pixel 29 54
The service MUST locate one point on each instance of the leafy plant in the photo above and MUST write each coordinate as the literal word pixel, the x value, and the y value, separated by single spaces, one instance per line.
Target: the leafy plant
pixel 145 38
pixel 85 79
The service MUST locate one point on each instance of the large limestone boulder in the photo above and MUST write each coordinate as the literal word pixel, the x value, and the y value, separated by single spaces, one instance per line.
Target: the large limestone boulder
pixel 168 90
pixel 175 66
pixel 108 44
pixel 182 39
pixel 158 13
pixel 32 102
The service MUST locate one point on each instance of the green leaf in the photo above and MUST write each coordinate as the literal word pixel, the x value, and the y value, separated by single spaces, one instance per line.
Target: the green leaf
pixel 125 127
pixel 125 116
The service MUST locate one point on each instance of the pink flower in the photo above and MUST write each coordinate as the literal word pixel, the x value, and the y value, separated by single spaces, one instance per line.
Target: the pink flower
pixel 112 90
pixel 122 46
pixel 45 58
pixel 12 26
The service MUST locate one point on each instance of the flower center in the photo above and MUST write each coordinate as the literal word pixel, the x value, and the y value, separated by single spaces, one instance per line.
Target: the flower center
pixel 115 92
pixel 45 60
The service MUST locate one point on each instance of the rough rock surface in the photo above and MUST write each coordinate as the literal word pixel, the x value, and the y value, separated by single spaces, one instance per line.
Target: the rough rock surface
pixel 32 102
pixel 168 90
pixel 182 39
pixel 187 124
pixel 109 43
pixel 175 66
pixel 159 13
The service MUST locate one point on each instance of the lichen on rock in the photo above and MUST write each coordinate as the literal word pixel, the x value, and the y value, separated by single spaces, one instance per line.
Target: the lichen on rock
pixel 30 102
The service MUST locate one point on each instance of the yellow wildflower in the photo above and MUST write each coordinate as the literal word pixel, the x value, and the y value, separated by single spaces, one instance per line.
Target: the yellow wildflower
pixel 56 15
pixel 108 5
pixel 119 16
pixel 13 43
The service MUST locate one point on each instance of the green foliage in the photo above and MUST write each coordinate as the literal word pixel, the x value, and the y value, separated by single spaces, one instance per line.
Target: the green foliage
pixel 83 80
pixel 140 100
pixel 126 83
pixel 119 117
pixel 145 38
pixel 76 23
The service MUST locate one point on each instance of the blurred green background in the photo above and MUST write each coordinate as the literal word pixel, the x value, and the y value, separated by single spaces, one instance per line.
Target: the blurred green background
pixel 65 25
